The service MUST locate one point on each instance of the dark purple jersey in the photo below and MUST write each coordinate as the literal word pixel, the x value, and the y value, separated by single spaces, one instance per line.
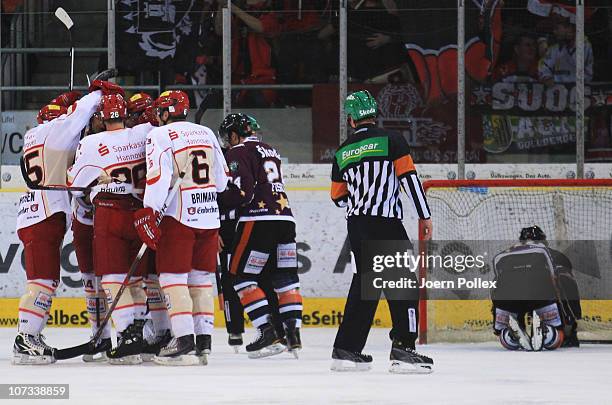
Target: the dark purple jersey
pixel 255 168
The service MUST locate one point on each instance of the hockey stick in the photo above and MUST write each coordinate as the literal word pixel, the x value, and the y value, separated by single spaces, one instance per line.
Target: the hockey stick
pixel 75 351
pixel 65 19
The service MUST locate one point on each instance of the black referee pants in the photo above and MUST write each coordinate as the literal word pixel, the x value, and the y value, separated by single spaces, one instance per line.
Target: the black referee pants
pixel 359 314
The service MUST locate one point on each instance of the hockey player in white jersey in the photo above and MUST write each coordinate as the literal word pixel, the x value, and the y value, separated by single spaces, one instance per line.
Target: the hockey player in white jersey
pixel 112 163
pixel 44 215
pixel 186 240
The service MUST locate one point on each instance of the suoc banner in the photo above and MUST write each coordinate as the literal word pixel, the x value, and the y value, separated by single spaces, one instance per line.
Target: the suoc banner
pixel 531 118
pixel 431 130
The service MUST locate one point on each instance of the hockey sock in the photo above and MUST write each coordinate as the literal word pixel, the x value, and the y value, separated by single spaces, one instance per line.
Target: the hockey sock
pixel 254 302
pixel 96 303
pixel 35 304
pixel 178 300
pixel 290 304
pixel 139 296
pixel 123 314
pixel 201 291
pixel 157 306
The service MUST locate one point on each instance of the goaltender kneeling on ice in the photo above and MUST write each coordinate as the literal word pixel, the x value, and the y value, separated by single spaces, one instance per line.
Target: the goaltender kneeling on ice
pixel 461 282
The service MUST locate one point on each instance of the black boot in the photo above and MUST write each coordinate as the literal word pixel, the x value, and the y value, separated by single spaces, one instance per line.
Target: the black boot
pixel 98 353
pixel 265 344
pixel 235 340
pixel 346 360
pixel 405 359
pixel 292 335
pixel 178 352
pixel 129 347
pixel 203 348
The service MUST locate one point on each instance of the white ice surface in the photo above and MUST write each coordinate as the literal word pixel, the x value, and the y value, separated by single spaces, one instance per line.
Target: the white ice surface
pixel 481 373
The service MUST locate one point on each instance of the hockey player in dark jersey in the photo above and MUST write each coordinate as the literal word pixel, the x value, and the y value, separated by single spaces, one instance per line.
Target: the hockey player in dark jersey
pixel 232 308
pixel 533 279
pixel 264 244
pixel 367 172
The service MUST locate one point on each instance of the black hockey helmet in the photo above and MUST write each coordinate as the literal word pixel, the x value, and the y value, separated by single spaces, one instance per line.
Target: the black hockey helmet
pixel 532 233
pixel 238 123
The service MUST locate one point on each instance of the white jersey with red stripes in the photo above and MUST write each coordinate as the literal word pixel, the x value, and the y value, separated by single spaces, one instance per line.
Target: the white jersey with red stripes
pixel 194 148
pixel 111 161
pixel 48 150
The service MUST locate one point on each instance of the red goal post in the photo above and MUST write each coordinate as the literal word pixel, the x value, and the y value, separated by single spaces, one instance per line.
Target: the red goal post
pixel 446 189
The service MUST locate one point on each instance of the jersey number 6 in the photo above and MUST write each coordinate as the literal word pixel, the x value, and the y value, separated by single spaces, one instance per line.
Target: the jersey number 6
pixel 200 168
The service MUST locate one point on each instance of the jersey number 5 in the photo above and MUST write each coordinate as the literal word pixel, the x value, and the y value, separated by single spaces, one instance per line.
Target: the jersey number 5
pixel 34 171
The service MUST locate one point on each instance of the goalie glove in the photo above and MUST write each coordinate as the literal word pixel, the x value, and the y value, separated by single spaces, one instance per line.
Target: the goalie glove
pixel 145 222
pixel 106 87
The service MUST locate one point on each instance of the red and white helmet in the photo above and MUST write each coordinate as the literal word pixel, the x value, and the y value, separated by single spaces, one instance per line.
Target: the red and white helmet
pixel 139 102
pixel 148 115
pixel 175 101
pixel 50 112
pixel 112 106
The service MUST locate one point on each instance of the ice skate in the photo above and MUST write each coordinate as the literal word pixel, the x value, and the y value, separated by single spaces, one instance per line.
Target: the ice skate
pixel 31 350
pixel 151 349
pixel 519 332
pixel 178 352
pixel 266 343
pixel 129 347
pixel 235 341
pixel 203 348
pixel 293 339
pixel 405 360
pixel 344 360
pixel 98 355
pixel 537 334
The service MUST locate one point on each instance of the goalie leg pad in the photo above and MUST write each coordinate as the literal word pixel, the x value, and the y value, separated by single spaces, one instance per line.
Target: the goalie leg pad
pixel 96 303
pixel 139 296
pixel 553 337
pixel 550 315
pixel 178 302
pixel 123 314
pixel 508 340
pixel 35 304
pixel 201 292
pixel 157 305
pixel 254 301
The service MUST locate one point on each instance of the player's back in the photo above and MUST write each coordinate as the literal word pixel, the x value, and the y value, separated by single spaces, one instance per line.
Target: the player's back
pixel 259 164
pixel 37 205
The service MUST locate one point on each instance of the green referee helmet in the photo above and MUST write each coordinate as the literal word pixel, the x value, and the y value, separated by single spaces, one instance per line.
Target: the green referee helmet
pixel 361 105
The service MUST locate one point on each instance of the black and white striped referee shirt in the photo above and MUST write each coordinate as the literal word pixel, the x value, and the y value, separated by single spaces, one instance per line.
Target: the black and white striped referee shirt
pixel 368 170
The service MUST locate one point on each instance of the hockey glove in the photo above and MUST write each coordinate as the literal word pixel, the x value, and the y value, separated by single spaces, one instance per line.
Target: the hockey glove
pixel 66 99
pixel 106 87
pixel 146 226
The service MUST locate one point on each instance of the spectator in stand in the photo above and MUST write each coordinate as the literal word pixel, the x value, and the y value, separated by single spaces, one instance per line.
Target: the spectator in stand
pixel 559 63
pixel 300 53
pixel 523 67
pixel 252 29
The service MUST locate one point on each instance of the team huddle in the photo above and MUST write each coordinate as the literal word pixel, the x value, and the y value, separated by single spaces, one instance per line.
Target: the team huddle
pixel 122 173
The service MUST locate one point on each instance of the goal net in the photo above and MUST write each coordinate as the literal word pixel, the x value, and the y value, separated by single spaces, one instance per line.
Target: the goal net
pixel 496 210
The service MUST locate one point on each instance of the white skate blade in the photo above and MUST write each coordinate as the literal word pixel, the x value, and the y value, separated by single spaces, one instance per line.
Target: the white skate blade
pixel 236 349
pixel 95 358
pixel 203 359
pixel 349 366
pixel 524 340
pixel 271 350
pixel 182 360
pixel 126 360
pixel 537 338
pixel 21 359
pixel 295 353
pixel 401 367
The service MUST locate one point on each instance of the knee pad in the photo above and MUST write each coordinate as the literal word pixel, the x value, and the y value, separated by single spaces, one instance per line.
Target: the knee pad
pixel 176 293
pixel 35 304
pixel 553 337
pixel 508 340
pixel 139 296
